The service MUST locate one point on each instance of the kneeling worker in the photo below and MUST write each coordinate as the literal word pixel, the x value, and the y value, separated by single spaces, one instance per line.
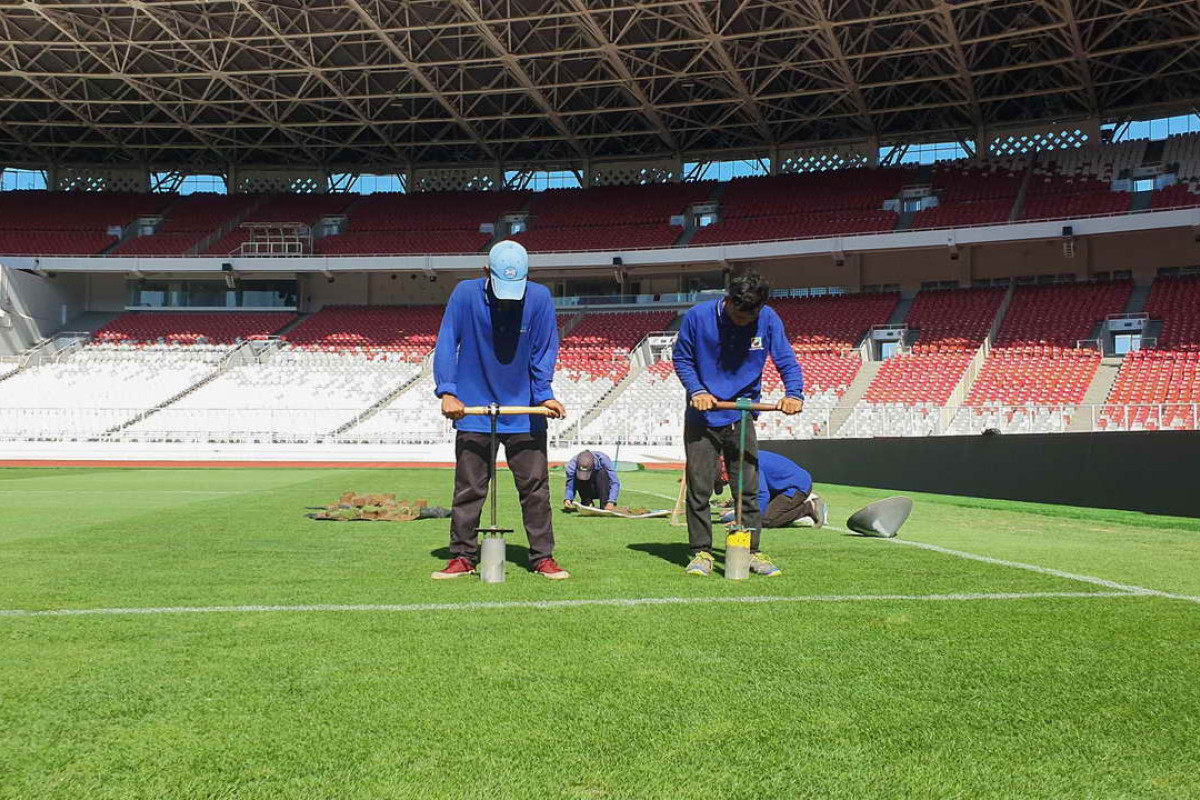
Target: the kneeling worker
pixel 785 493
pixel 594 476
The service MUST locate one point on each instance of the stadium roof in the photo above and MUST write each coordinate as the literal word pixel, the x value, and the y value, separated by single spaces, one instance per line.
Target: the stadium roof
pixel 329 82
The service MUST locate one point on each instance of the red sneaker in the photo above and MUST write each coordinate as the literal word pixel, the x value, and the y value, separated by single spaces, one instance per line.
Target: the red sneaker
pixel 455 568
pixel 549 568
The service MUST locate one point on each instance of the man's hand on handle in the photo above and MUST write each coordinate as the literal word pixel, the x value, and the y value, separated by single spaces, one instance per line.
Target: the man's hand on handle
pixel 703 401
pixel 452 407
pixel 790 405
pixel 556 408
pixel 609 506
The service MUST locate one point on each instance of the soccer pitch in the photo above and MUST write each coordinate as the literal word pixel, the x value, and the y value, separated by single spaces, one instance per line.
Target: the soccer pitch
pixel 240 650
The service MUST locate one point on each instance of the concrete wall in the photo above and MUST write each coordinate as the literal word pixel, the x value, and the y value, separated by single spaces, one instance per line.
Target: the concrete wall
pixel 1153 472
pixel 107 293
pixel 35 307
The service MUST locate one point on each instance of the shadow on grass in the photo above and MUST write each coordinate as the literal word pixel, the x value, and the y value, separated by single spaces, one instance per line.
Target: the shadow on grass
pixel 675 552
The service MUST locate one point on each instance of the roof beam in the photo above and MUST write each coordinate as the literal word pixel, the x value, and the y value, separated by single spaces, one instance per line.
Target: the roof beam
pixel 419 75
pixel 136 86
pixel 965 81
pixel 833 48
pixel 318 75
pixel 514 68
pixel 716 44
pixel 610 53
pixel 1066 10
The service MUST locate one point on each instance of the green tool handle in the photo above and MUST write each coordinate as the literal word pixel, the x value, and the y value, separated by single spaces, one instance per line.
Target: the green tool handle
pixel 741 463
pixel 492 471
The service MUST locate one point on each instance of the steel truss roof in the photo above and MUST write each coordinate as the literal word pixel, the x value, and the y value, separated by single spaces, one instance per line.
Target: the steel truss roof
pixel 385 82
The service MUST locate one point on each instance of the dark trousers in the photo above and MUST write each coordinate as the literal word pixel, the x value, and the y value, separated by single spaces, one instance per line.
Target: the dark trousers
pixel 703 446
pixel 596 487
pixel 783 510
pixel 526 456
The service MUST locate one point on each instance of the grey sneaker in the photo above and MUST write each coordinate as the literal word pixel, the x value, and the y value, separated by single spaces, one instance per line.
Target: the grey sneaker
pixel 817 510
pixel 761 565
pixel 701 564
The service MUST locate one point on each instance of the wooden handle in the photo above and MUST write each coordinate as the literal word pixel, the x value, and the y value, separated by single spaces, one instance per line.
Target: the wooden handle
pixel 726 405
pixel 504 411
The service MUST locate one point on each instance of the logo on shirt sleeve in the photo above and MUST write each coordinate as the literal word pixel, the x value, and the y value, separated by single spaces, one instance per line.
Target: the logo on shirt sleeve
pixel 756 343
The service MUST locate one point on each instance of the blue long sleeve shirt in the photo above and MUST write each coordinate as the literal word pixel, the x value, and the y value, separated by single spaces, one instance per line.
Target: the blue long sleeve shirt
pixel 713 355
pixel 491 351
pixel 779 475
pixel 602 462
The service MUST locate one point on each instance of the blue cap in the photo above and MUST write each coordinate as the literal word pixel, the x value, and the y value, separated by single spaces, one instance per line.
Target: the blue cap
pixel 508 264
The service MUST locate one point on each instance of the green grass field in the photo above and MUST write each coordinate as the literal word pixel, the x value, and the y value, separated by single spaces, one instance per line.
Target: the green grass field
pixel 975 680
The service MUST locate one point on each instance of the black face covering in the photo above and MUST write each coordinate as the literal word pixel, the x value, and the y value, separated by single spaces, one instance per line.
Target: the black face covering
pixel 506 316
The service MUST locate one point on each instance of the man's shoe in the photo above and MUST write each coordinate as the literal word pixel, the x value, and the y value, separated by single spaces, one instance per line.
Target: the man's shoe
pixel 817 510
pixel 549 568
pixel 455 568
pixel 701 564
pixel 761 565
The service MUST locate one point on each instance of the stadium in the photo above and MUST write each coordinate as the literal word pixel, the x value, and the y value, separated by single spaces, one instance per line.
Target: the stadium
pixel 231 234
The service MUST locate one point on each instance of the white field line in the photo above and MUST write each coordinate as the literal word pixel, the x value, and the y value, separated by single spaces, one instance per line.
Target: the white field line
pixel 1071 576
pixel 552 604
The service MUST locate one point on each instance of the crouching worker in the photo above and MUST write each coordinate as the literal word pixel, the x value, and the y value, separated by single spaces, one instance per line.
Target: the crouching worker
pixel 593 476
pixel 785 494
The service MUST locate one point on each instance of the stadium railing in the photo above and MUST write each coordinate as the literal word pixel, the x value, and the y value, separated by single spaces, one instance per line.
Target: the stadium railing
pixel 286 426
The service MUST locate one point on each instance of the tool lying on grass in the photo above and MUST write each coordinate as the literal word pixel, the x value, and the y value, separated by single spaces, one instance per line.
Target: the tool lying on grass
pixel 882 518
pixel 620 512
pixel 737 542
pixel 491 552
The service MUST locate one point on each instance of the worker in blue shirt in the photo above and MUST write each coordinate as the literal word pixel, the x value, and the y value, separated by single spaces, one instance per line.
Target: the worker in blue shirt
pixel 594 476
pixel 785 494
pixel 497 344
pixel 719 355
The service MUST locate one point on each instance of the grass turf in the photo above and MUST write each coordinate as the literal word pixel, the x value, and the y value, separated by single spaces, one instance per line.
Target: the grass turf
pixel 1042 697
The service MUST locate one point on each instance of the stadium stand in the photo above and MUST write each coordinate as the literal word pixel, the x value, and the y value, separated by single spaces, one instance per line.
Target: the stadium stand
pixel 1179 195
pixel 906 397
pixel 407 332
pixel 806 205
pixel 166 327
pixel 833 322
pixel 307 209
pixel 41 223
pixel 824 332
pixel 600 344
pixel 972 195
pixel 188 223
pixel 1078 183
pixel 298 395
pixel 100 387
pixel 594 357
pixel 1037 374
pixel 599 237
pixel 609 217
pixel 1159 388
pixel 649 411
pixel 429 222
pixel 1182 153
pixel 414 416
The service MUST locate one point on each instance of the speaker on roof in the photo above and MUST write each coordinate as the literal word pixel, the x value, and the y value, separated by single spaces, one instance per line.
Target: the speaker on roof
pixel 617 261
